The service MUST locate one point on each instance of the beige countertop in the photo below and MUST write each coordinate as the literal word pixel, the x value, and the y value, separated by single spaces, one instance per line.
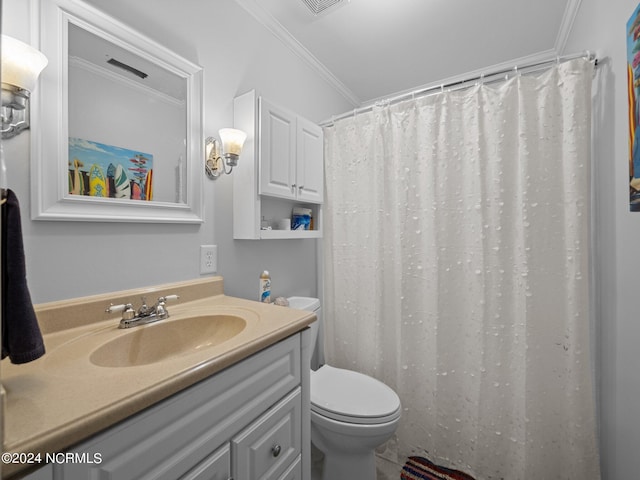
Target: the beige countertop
pixel 64 398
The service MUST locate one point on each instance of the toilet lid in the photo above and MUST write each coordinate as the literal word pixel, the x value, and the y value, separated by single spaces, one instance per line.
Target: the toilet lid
pixel 350 396
pixel 304 303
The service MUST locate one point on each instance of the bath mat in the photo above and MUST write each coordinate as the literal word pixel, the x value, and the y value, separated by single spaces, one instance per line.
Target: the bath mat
pixel 419 468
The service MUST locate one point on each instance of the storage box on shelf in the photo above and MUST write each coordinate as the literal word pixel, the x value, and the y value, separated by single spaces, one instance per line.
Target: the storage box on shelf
pixel 282 168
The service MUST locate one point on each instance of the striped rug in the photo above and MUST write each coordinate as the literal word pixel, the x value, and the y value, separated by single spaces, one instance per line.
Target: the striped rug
pixel 419 468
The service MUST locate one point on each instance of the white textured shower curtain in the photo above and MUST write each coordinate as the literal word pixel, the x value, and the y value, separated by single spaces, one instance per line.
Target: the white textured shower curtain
pixel 457 271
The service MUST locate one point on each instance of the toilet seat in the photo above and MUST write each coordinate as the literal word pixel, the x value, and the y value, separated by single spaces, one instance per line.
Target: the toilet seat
pixel 352 397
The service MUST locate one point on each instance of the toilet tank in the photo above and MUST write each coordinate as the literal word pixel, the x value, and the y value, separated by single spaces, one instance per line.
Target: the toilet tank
pixel 311 304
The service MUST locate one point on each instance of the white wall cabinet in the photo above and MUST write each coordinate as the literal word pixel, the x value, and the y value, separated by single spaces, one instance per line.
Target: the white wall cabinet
pixel 310 161
pixel 276 150
pixel 281 166
pixel 290 155
pixel 250 421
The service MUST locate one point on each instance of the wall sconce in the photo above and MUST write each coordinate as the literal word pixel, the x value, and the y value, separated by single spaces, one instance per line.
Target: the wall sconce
pixel 216 162
pixel 21 65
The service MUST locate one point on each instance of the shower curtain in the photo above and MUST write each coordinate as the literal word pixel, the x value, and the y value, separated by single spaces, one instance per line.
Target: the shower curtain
pixel 456 265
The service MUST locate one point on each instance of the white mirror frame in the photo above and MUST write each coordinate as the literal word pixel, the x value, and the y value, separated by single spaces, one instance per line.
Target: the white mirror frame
pixel 50 199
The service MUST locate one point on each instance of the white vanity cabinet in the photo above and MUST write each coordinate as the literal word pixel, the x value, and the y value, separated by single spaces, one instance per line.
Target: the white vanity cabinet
pixel 281 166
pixel 249 421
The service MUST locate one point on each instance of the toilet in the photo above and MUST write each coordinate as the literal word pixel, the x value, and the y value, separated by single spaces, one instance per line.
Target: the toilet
pixel 351 413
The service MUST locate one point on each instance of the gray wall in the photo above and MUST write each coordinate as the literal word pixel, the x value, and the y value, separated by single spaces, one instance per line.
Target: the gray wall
pixel 600 25
pixel 69 259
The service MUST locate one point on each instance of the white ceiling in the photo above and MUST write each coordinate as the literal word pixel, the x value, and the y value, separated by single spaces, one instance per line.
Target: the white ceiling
pixel 371 49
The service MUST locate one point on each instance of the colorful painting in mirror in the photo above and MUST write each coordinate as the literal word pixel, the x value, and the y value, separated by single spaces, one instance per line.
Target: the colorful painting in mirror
pixel 99 170
pixel 633 90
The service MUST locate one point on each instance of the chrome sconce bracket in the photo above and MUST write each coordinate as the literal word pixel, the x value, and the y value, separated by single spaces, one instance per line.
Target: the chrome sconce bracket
pixel 216 162
pixel 21 66
pixel 15 110
pixel 214 165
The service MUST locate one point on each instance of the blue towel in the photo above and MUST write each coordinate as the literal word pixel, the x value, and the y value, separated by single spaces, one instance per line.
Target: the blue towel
pixel 21 338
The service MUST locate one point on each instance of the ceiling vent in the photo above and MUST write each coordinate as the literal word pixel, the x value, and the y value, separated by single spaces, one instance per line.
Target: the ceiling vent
pixel 319 7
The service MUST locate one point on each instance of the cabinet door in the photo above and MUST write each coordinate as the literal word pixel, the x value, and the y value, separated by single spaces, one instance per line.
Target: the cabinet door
pixel 266 448
pixel 310 161
pixel 294 472
pixel 44 473
pixel 277 151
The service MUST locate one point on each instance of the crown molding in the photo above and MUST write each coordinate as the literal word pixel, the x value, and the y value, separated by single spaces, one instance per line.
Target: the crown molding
pixel 276 28
pixel 569 17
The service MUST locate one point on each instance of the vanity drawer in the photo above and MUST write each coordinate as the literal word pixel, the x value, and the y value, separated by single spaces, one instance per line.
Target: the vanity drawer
pixel 265 449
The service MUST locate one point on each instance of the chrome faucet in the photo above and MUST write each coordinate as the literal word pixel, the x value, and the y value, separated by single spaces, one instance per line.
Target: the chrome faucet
pixel 144 315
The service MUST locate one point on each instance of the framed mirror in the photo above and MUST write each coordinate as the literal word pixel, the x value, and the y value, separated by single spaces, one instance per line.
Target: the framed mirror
pixel 117 123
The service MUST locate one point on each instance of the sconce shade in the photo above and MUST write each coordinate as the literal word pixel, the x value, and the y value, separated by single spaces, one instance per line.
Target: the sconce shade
pixel 21 63
pixel 232 140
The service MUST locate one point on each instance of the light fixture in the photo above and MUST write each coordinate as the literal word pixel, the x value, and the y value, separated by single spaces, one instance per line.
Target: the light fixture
pixel 218 159
pixel 21 65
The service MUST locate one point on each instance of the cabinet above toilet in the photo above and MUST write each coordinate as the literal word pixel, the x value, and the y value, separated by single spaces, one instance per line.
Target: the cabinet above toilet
pixel 282 167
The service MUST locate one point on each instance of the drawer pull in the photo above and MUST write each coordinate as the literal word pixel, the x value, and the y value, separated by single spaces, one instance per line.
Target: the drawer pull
pixel 275 451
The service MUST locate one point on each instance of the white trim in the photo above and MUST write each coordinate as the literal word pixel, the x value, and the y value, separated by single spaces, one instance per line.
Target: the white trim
pixel 277 29
pixel 569 17
pixel 50 199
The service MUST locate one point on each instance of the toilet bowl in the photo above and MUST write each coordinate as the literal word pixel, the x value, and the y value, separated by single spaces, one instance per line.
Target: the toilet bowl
pixel 351 413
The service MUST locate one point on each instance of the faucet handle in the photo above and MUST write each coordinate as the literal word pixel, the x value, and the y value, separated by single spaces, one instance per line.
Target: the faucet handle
pixel 162 312
pixel 126 308
pixel 167 298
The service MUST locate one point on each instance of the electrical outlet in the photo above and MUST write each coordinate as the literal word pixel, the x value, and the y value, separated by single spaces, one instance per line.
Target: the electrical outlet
pixel 208 259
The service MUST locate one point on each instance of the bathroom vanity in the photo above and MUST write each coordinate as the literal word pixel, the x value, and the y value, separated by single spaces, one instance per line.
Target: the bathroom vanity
pixel 234 409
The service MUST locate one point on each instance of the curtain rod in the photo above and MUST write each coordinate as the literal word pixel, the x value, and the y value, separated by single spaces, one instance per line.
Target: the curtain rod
pixel 467 82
